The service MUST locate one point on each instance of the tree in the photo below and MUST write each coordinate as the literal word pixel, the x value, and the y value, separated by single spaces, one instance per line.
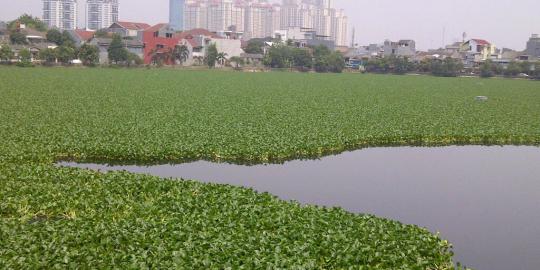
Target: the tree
pixel 528 68
pixel 134 59
pixel 29 21
pixel 302 59
pixel 380 65
pixel 199 60
pixel 89 55
pixel 67 40
pixel 321 51
pixel 65 54
pixel 6 54
pixel 279 56
pixel 255 46
pixel 17 37
pixel 180 53
pixel 116 51
pixel 336 63
pixel 101 33
pixel 238 61
pixel 448 67
pixel 221 58
pixel 25 58
pixel 54 36
pixel 157 57
pixel 513 69
pixel 211 55
pixel 486 69
pixel 48 56
pixel 321 54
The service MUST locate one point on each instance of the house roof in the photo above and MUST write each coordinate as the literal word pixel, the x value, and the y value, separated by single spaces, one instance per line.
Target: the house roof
pixel 29 32
pixel 126 42
pixel 156 27
pixel 197 32
pixel 481 41
pixel 84 35
pixel 194 43
pixel 134 25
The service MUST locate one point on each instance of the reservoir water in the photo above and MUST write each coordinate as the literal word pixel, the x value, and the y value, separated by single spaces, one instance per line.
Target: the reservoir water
pixel 484 200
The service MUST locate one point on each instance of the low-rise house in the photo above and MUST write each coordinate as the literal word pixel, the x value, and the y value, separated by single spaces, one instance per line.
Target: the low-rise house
pixel 34 36
pixel 158 39
pixel 478 50
pixel 304 37
pixel 362 52
pixel 198 40
pixel 33 48
pixel 133 46
pixel 81 37
pixel 129 29
pixel 402 48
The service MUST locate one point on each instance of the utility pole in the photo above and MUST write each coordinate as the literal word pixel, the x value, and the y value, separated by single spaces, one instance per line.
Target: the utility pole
pixel 353 37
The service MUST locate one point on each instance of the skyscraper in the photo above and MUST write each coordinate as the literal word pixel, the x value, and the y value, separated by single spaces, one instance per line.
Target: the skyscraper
pixel 318 15
pixel 101 13
pixel 61 14
pixel 176 14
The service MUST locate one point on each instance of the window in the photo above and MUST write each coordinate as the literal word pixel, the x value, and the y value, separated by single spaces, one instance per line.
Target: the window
pixel 168 35
pixel 160 46
pixel 156 34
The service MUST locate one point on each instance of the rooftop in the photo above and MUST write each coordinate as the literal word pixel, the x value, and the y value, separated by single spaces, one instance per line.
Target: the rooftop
pixel 133 25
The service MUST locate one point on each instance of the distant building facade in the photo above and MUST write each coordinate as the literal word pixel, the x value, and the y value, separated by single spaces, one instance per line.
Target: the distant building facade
pixel 133 46
pixel 477 50
pixel 158 39
pixel 402 48
pixel 101 14
pixel 176 14
pixel 261 18
pixel 533 46
pixel 304 37
pixel 61 14
pixel 128 29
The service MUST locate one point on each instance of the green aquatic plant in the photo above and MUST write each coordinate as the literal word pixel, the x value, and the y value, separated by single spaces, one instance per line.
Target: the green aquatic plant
pixel 53 217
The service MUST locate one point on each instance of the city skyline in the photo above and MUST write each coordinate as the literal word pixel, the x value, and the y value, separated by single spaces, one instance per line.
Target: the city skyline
pixel 507 24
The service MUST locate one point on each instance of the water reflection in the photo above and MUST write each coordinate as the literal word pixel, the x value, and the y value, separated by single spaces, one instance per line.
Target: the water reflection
pixel 485 200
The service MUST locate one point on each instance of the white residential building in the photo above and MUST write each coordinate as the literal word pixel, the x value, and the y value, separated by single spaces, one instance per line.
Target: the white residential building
pixel 318 15
pixel 101 13
pixel 61 14
pixel 261 18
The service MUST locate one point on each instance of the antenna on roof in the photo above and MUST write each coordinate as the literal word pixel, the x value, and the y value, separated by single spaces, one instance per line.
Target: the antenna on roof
pixel 443 37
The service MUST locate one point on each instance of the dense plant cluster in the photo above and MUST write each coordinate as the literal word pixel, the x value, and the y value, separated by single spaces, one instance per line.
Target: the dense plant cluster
pixel 400 65
pixel 318 58
pixel 53 217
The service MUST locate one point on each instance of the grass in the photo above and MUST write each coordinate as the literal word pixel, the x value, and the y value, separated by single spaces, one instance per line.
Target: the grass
pixel 70 218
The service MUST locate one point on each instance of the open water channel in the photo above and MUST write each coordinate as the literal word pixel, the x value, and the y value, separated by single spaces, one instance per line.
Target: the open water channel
pixel 484 200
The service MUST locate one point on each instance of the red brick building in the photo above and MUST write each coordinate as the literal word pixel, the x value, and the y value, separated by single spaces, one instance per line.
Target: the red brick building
pixel 160 37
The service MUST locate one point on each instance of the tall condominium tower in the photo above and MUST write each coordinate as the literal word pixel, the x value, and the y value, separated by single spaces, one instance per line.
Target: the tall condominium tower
pixel 101 13
pixel 61 14
pixel 176 14
pixel 318 15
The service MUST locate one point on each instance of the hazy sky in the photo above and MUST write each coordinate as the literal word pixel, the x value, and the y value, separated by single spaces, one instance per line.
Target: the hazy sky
pixel 506 23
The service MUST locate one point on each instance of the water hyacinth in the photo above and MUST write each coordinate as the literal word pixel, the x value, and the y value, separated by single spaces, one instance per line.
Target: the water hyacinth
pixel 53 217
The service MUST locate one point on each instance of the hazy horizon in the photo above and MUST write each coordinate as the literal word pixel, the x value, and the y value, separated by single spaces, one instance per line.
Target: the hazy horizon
pixel 504 23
